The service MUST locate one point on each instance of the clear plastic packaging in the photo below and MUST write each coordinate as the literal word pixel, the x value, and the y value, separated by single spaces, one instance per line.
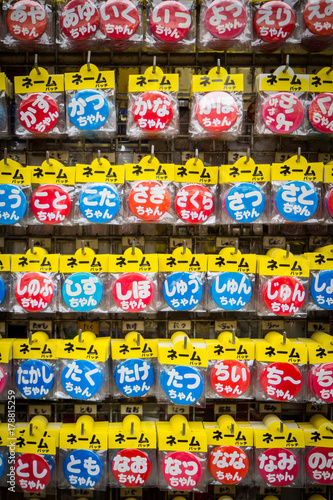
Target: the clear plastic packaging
pixel 133 292
pixel 121 22
pixel 230 465
pixel 90 469
pixel 42 478
pixel 280 381
pixel 231 291
pixel 6 95
pixel 133 468
pixel 182 471
pixel 77 25
pixel 282 296
pixel 181 385
pixel 317 25
pixel 279 467
pixel 182 291
pixel 15 193
pixel 34 292
pixel 35 379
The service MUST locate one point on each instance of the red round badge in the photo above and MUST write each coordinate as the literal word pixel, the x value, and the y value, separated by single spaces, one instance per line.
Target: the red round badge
pixel 152 111
pixel 230 378
pixel 34 291
pixel 321 113
pixel 217 111
pixel 228 464
pixel 119 19
pixel 226 18
pixel 149 200
pixel 278 466
pixel 320 381
pixel 133 292
pixel 50 204
pixel 318 17
pixel 26 20
pixel 131 468
pixel 319 465
pixel 3 379
pixel 32 472
pixel 38 113
pixel 181 470
pixel 194 203
pixel 281 381
pixel 170 21
pixel 282 113
pixel 284 295
pixel 79 19
pixel 274 21
pixel 329 202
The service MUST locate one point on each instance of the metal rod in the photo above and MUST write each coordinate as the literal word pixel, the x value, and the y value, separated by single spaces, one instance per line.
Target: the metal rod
pixel 132 428
pixel 184 429
pixel 248 154
pixel 218 66
pixel 185 342
pixel 83 248
pixel 236 247
pixel 80 335
pixel 299 152
pixel 88 60
pixel 5 152
pixel 138 340
pixel 287 251
pixel 287 63
pixel 133 246
pixel 152 153
pixel 31 429
pixel 30 337
pixel 233 336
pixel 99 156
pixel 32 249
pixel 232 428
pixel 82 429
pixel 36 64
pixel 196 156
pixel 47 154
pixel 184 247
pixel 284 338
pixel 154 64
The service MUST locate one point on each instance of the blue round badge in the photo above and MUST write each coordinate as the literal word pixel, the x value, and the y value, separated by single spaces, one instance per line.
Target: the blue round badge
pixel 83 468
pixel 231 291
pixel 244 202
pixel 13 204
pixel 3 461
pixel 82 292
pixel 50 461
pixel 182 384
pixel 296 201
pixel 182 291
pixel 134 377
pixel 322 289
pixel 81 379
pixel 34 378
pixel 99 203
pixel 88 110
pixel 2 290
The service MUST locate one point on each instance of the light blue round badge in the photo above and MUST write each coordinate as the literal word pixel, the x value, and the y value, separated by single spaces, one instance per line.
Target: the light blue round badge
pixel 231 291
pixel 34 378
pixel 88 109
pixel 2 290
pixel 322 289
pixel 296 201
pixel 82 379
pixel 134 377
pixel 244 202
pixel 182 291
pixel 82 292
pixel 182 384
pixel 13 204
pixel 99 203
pixel 83 468
pixel 3 461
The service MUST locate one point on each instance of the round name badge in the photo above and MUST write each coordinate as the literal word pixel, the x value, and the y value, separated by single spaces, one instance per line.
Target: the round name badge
pixel 34 378
pixel 320 381
pixel 152 111
pixel 32 472
pixel 88 110
pixel 278 466
pixel 3 461
pixel 131 468
pixel 13 204
pixel 296 201
pixel 318 17
pixel 99 203
pixel 281 381
pixel 226 18
pixel 329 202
pixel 3 379
pixel 231 291
pixel 228 464
pixel 321 112
pixel 282 113
pixel 244 202
pixel 319 465
pixel 2 290
pixel 170 21
pixel 50 204
pixel 230 378
pixel 149 200
pixel 34 291
pixel 194 203
pixel 26 20
pixel 181 470
pixel 182 384
pixel 284 295
pixel 38 113
pixel 83 468
pixel 134 377
pixel 82 292
pixel 119 19
pixel 182 291
pixel 133 292
pixel 82 379
pixel 79 19
pixel 274 21
pixel 217 111
pixel 322 289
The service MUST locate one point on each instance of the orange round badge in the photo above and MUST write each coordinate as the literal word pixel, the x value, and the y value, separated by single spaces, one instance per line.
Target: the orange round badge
pixel 228 464
pixel 149 200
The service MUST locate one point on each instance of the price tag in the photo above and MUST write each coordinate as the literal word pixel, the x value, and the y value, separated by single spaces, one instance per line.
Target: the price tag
pixel 225 326
pixel 133 326
pixel 88 326
pixel 325 157
pixel 270 408
pixel 274 242
pixel 317 408
pixel 266 490
pixel 16 156
pixel 130 493
pixel 177 410
pixel 131 410
pixel 318 241
pixel 182 326
pixel 179 242
pixel 318 326
pixel 222 242
pixel 187 155
pixel 274 325
pixel 127 242
pixel 224 489
pixel 233 156
pixel 40 326
pixel 281 157
pixel 221 409
pixel 45 410
pixel 137 157
pixel 85 410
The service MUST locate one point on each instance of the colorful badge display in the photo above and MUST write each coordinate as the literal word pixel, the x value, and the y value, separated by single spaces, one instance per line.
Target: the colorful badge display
pixel 226 18
pixel 170 21
pixel 284 295
pixel 281 381
pixel 152 111
pixel 133 292
pixel 320 381
pixel 88 110
pixel 26 20
pixel 13 204
pixel 34 291
pixel 244 202
pixel 32 472
pixel 99 203
pixel 181 470
pixel 217 111
pixel 278 466
pixel 82 379
pixel 82 292
pixel 228 464
pixel 131 468
pixel 319 465
pixel 182 384
pixel 3 379
pixel 182 291
pixel 230 378
pixel 194 203
pixel 34 378
pixel 296 201
pixel 231 291
pixel 119 19
pixel 38 113
pixel 318 17
pixel 283 112
pixel 321 111
pixel 83 468
pixel 274 21
pixel 50 204
pixel 322 289
pixel 2 290
pixel 134 377
pixel 79 19
pixel 149 200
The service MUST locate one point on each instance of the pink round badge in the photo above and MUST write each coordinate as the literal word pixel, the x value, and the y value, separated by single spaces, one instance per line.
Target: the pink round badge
pixel 194 203
pixel 230 378
pixel 149 200
pixel 50 204
pixel 226 18
pixel 131 468
pixel 284 295
pixel 319 465
pixel 318 17
pixel 181 470
pixel 320 381
pixel 282 113
pixel 152 111
pixel 119 19
pixel 34 291
pixel 79 19
pixel 281 381
pixel 278 466
pixel 38 113
pixel 274 21
pixel 228 464
pixel 321 112
pixel 170 21
pixel 217 111
pixel 3 379
pixel 32 472
pixel 133 292
pixel 26 20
